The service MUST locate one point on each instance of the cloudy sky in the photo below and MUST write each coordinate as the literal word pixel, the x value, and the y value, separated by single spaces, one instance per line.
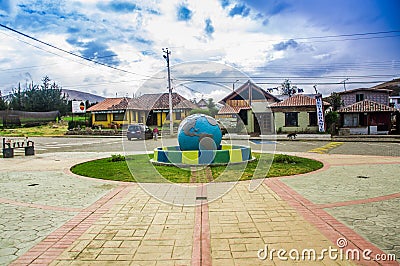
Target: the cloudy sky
pixel 212 41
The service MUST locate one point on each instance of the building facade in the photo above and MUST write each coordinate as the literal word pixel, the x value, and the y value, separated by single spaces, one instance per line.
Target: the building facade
pixel 149 109
pixel 357 95
pixel 366 117
pixel 249 106
pixel 297 114
pixel 153 109
pixel 109 113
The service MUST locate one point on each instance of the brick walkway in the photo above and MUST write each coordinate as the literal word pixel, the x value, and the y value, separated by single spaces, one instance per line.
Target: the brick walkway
pixel 126 226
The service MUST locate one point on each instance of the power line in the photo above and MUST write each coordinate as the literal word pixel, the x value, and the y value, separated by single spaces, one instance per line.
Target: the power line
pixel 279 83
pixel 347 35
pixel 70 53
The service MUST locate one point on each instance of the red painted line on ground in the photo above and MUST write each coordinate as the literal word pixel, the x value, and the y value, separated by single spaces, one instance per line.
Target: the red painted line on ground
pixel 54 244
pixel 363 163
pixel 355 202
pixel 201 252
pixel 326 224
pixel 196 250
pixel 205 235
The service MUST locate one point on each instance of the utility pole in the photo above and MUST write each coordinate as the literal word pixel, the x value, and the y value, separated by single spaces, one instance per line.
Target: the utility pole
pixel 344 83
pixel 166 57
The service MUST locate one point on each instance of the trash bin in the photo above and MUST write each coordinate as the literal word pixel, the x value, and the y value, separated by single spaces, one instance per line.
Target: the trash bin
pixel 8 153
pixel 30 150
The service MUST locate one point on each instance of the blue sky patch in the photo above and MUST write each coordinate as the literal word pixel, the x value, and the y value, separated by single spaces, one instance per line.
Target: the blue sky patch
pixel 98 51
pixel 5 5
pixel 209 27
pixel 118 7
pixel 225 3
pixel 184 13
pixel 239 9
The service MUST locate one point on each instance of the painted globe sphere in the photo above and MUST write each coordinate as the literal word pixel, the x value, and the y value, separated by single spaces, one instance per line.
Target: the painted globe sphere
pixel 199 132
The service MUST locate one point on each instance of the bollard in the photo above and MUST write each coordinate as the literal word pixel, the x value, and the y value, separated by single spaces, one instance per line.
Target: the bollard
pixel 8 153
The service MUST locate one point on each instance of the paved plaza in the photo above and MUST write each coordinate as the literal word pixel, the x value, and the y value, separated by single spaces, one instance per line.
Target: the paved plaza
pixel 53 217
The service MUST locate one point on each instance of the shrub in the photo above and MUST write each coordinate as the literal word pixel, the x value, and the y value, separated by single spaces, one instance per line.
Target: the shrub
pixel 283 158
pixel 76 124
pixel 117 158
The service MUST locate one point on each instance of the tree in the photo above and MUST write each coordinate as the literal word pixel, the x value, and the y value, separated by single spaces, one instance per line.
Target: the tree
pixel 16 102
pixel 46 97
pixel 3 104
pixel 331 118
pixel 200 111
pixel 335 101
pixel 288 89
pixel 211 107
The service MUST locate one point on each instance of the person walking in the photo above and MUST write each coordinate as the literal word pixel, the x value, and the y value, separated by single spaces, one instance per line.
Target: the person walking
pixel 155 133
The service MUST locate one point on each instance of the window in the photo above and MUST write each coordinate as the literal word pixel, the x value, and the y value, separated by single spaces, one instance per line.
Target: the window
pixel 350 120
pixel 100 117
pixel 178 115
pixel 312 119
pixel 359 97
pixel 291 119
pixel 119 117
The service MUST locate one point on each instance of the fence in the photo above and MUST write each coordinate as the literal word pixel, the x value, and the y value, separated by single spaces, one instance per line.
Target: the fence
pixel 11 118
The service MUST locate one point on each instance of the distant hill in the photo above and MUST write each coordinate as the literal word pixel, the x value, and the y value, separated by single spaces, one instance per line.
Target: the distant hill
pixel 82 96
pixel 393 85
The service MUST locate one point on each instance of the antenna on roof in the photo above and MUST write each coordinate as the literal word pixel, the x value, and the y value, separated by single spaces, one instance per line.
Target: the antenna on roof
pixel 315 88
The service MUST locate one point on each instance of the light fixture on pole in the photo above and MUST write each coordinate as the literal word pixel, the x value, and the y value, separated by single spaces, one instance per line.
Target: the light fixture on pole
pixel 233 85
pixel 166 57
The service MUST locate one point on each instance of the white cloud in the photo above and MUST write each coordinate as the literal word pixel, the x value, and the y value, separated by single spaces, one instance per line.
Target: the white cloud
pixel 137 37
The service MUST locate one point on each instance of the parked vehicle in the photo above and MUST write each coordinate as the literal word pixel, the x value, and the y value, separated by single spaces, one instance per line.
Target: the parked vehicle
pixel 139 131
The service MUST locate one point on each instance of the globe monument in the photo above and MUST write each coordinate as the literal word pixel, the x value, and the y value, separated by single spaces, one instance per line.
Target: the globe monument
pixel 199 138
pixel 199 132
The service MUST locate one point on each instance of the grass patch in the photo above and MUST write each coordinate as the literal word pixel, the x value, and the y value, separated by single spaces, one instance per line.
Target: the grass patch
pixel 118 170
pixel 45 130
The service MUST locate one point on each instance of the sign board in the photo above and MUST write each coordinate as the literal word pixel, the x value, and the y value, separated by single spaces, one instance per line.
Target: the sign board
pixel 320 113
pixel 78 107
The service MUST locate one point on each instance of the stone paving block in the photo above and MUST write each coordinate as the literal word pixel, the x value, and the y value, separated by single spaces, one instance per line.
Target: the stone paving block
pixel 222 262
pixel 251 261
pixel 112 244
pixel 218 254
pixel 107 257
pixel 129 244
pixel 182 252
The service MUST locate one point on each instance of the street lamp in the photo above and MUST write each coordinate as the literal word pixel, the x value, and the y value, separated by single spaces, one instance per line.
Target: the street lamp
pixel 233 85
pixel 166 57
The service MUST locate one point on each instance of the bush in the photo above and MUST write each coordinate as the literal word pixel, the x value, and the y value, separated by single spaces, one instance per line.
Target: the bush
pixel 283 158
pixel 76 124
pixel 117 158
pixel 200 111
pixel 330 118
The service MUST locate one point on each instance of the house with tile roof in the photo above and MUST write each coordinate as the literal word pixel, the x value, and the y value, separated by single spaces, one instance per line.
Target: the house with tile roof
pixel 297 114
pixel 153 109
pixel 202 104
pixel 149 109
pixel 249 104
pixel 110 112
pixel 379 95
pixel 366 117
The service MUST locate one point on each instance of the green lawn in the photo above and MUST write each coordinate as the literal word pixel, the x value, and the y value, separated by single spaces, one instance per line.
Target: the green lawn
pixel 45 130
pixel 282 165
